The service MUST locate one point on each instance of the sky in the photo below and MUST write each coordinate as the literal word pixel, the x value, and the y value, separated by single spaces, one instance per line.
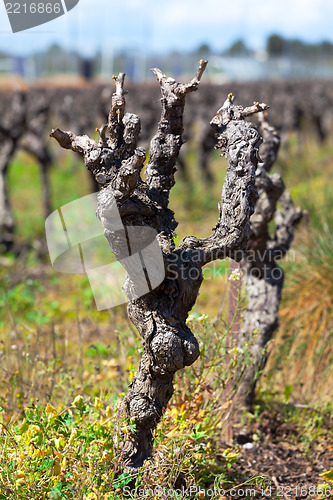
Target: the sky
pixel 159 26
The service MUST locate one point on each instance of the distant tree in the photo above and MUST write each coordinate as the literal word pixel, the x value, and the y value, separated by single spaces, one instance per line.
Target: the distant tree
pixel 54 49
pixel 326 48
pixel 296 48
pixel 203 50
pixel 276 45
pixel 238 48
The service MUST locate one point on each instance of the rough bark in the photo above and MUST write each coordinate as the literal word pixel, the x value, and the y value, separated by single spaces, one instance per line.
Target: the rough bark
pixel 23 127
pixel 160 315
pixel 263 278
pixel 11 130
pixel 35 141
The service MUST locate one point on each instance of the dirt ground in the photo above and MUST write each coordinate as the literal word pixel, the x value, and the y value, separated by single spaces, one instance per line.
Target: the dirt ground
pixel 292 464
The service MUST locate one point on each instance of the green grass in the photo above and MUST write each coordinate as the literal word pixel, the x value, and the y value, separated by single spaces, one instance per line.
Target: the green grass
pixel 61 443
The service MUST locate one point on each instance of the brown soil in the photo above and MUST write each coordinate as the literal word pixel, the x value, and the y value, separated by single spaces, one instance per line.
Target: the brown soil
pixel 291 464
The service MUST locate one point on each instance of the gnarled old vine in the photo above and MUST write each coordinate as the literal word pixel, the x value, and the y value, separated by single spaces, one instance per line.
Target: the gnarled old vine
pixel 11 130
pixel 263 277
pixel 160 315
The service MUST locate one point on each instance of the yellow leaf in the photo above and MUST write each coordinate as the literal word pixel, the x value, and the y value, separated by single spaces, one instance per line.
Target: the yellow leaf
pixel 91 496
pixel 51 411
pixel 98 403
pixel 35 429
pixel 56 469
pixel 58 443
pixel 27 437
pixel 48 408
pixel 78 402
pixel 58 455
pixel 72 437
pixel 327 475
